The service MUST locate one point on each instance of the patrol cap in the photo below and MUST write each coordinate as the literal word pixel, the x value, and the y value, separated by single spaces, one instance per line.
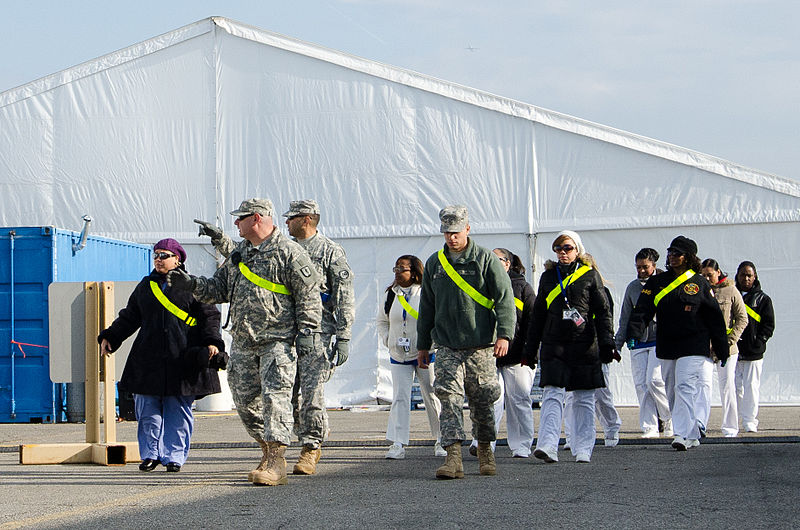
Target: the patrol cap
pixel 454 218
pixel 304 207
pixel 684 245
pixel 250 206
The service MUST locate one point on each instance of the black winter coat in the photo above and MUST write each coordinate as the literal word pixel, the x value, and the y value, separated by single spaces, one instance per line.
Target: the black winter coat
pixel 753 342
pixel 522 291
pixel 570 353
pixel 168 357
pixel 689 318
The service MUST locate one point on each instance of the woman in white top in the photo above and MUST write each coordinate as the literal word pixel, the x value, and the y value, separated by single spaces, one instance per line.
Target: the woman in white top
pixel 397 330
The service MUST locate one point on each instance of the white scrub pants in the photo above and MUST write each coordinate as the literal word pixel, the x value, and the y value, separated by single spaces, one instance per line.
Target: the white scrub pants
pixel 516 382
pixel 703 397
pixel 400 414
pixel 727 395
pixel 646 372
pixel 604 409
pixel 681 381
pixel 748 384
pixel 580 419
pixel 164 429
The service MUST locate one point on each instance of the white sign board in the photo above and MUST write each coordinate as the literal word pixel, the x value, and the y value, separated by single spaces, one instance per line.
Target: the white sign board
pixel 66 307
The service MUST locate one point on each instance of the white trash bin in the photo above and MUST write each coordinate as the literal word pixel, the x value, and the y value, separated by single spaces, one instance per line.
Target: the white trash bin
pixel 220 402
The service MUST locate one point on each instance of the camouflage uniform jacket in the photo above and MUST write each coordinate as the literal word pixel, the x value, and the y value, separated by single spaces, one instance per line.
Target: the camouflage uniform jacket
pixel 257 314
pixel 336 287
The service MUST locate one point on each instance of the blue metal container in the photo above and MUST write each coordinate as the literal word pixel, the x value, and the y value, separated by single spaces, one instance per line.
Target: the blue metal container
pixel 30 259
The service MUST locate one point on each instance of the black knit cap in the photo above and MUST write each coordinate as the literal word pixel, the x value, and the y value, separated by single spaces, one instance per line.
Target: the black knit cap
pixel 684 245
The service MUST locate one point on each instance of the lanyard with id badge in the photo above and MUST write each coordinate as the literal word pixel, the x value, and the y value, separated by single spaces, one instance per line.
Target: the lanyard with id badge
pixel 404 342
pixel 569 313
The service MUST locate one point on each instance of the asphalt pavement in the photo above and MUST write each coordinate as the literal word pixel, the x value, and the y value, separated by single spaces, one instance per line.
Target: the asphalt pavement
pixel 745 482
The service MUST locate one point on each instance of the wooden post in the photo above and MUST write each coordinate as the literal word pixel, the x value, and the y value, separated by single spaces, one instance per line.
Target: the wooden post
pixel 92 376
pixel 107 369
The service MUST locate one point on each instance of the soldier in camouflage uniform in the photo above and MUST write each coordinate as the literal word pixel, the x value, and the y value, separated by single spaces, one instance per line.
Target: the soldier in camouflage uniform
pixel 273 290
pixel 338 312
pixel 467 308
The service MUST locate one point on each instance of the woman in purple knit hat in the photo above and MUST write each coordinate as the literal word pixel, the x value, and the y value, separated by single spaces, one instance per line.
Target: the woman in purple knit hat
pixel 174 358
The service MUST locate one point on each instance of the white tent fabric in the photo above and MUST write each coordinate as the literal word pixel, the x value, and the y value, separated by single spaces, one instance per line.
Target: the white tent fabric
pixel 189 123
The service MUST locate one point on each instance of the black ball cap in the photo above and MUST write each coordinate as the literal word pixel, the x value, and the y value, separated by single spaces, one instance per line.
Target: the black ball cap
pixel 684 245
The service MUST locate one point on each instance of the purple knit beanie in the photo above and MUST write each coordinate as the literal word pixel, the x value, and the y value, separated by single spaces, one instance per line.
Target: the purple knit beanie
pixel 173 246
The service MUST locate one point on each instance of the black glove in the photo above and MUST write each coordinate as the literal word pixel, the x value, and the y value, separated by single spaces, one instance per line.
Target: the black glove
pixel 179 279
pixel 341 351
pixel 724 361
pixel 236 257
pixel 304 344
pixel 207 229
pixel 219 361
pixel 608 352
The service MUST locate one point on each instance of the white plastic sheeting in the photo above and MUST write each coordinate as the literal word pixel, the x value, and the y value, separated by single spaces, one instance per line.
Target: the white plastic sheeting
pixel 191 122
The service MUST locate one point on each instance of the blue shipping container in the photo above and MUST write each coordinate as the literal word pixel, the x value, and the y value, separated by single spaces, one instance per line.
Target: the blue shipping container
pixel 30 259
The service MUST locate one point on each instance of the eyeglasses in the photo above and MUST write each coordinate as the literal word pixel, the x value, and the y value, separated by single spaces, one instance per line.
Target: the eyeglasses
pixel 674 252
pixel 163 255
pixel 565 248
pixel 502 259
pixel 399 269
pixel 243 217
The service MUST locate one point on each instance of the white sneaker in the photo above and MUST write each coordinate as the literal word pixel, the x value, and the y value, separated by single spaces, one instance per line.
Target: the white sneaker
pixel 692 443
pixel 750 428
pixel 438 450
pixel 548 455
pixel 473 448
pixel 520 454
pixel 397 452
pixel 668 429
pixel 565 447
pixel 651 433
pixel 583 458
pixel 680 443
pixel 612 441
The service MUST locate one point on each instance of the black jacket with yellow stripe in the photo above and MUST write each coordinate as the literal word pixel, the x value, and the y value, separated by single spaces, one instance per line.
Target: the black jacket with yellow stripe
pixel 690 321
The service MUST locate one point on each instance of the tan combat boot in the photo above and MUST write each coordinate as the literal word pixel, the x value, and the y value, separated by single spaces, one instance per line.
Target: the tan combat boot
pixel 452 467
pixel 486 459
pixel 263 465
pixel 275 472
pixel 307 463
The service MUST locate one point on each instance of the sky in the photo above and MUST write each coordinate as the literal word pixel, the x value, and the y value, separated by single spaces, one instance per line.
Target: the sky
pixel 717 76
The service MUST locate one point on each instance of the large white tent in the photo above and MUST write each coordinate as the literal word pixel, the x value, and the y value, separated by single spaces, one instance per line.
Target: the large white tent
pixel 189 123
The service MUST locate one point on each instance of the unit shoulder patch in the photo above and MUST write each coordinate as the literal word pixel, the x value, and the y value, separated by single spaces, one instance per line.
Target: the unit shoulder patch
pixel 691 288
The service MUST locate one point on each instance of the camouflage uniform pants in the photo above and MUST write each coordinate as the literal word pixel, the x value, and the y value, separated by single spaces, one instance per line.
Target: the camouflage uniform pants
pixel 472 371
pixel 261 385
pixel 308 396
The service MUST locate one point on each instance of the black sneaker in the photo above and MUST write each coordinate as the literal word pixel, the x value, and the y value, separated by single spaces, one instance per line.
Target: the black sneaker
pixel 702 430
pixel 172 467
pixel 148 464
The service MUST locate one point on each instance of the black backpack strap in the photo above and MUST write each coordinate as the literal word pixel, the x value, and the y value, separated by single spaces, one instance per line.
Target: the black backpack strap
pixel 389 300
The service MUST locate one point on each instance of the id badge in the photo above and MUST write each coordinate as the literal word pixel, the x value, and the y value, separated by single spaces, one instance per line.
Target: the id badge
pixel 573 315
pixel 405 343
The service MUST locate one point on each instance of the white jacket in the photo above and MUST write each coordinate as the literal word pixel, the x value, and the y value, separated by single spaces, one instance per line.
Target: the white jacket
pixel 391 327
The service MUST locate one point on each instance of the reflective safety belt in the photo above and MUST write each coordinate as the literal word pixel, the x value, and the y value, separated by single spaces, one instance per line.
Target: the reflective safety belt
pixel 410 310
pixel 182 315
pixel 751 312
pixel 518 303
pixel 261 282
pixel 583 269
pixel 462 283
pixel 671 287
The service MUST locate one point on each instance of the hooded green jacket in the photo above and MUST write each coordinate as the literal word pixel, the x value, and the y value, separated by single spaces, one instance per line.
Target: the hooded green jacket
pixel 449 317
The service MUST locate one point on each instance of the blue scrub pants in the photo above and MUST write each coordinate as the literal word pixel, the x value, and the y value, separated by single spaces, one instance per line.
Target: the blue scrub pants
pixel 165 427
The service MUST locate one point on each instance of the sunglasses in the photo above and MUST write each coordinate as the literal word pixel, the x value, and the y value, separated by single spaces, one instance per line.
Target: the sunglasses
pixel 565 248
pixel 163 255
pixel 399 269
pixel 243 217
pixel 673 252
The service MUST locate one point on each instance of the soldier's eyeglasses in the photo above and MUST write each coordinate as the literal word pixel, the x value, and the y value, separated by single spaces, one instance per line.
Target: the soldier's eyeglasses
pixel 243 217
